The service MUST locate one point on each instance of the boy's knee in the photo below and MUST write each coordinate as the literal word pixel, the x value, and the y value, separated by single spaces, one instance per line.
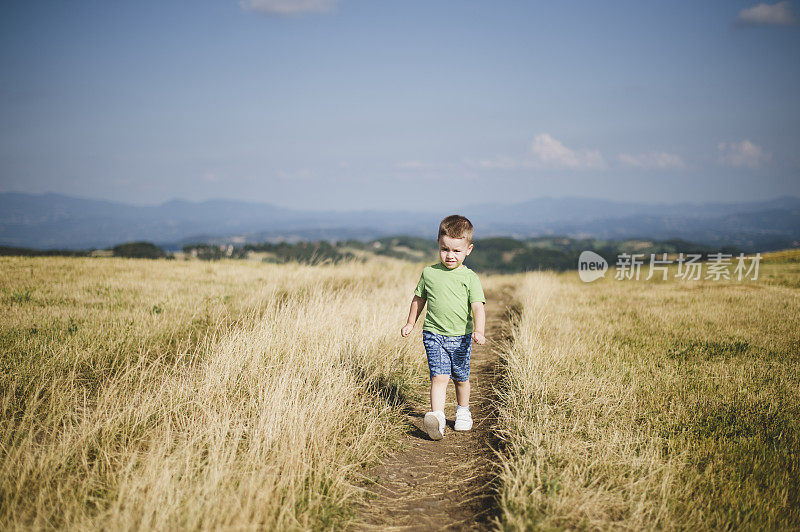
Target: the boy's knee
pixel 438 379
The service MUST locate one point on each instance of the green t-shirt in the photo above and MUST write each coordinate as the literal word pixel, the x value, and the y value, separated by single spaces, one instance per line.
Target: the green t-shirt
pixel 450 294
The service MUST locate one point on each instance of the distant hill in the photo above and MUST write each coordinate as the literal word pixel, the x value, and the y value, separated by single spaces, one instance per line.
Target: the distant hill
pixel 490 255
pixel 510 255
pixel 47 221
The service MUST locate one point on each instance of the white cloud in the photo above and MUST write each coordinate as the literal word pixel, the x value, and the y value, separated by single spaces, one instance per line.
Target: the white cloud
pixel 657 160
pixel 545 152
pixel 289 7
pixel 741 154
pixel 549 152
pixel 779 14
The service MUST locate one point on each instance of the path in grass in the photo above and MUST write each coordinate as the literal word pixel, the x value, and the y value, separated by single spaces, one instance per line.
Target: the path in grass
pixel 446 483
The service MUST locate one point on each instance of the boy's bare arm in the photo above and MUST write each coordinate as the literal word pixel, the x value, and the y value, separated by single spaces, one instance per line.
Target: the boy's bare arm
pixel 479 319
pixel 413 313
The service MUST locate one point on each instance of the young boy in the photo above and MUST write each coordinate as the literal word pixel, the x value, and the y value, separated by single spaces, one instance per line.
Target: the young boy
pixel 455 299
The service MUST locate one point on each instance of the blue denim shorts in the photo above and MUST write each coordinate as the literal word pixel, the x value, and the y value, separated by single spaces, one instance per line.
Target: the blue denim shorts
pixel 448 355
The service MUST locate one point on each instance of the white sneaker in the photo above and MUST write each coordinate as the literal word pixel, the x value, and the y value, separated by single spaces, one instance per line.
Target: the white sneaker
pixel 463 419
pixel 434 423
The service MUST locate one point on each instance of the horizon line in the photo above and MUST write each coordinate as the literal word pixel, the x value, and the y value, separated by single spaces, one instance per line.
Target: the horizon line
pixel 474 205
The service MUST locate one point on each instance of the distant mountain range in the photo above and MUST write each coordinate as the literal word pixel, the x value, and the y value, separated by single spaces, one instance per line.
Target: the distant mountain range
pixel 49 221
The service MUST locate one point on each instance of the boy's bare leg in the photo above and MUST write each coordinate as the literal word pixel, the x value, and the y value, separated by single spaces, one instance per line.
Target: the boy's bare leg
pixel 462 392
pixel 438 391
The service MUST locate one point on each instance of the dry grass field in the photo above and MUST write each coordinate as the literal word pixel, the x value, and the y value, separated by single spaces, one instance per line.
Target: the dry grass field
pixel 161 395
pixel 167 395
pixel 653 405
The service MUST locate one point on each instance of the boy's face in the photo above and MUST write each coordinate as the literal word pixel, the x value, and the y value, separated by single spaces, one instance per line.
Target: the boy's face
pixel 453 251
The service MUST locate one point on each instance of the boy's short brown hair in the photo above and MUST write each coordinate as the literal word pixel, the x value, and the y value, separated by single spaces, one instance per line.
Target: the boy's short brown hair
pixel 456 226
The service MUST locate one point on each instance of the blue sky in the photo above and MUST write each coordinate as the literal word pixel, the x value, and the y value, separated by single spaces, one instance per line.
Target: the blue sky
pixel 352 104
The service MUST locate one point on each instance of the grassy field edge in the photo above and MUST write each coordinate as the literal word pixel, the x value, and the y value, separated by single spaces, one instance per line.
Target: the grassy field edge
pixel 651 406
pixel 145 394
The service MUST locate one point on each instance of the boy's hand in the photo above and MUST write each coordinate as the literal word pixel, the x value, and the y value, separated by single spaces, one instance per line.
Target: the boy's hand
pixel 406 330
pixel 479 338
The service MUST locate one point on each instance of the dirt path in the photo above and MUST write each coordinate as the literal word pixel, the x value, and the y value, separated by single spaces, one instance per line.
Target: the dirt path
pixel 444 484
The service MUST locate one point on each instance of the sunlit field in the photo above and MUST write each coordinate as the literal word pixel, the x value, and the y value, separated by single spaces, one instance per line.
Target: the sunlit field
pixel 142 394
pixel 162 394
pixel 650 404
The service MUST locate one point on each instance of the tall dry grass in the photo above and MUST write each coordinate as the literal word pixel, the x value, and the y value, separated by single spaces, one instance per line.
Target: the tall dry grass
pixel 162 395
pixel 652 405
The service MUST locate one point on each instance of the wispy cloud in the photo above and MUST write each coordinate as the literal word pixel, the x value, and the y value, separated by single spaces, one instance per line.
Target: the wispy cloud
pixel 779 14
pixel 289 7
pixel 741 154
pixel 547 152
pixel 544 152
pixel 655 160
pixel 550 152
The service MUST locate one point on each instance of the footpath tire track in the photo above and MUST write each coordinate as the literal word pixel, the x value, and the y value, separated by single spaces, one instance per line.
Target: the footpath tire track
pixel 445 484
